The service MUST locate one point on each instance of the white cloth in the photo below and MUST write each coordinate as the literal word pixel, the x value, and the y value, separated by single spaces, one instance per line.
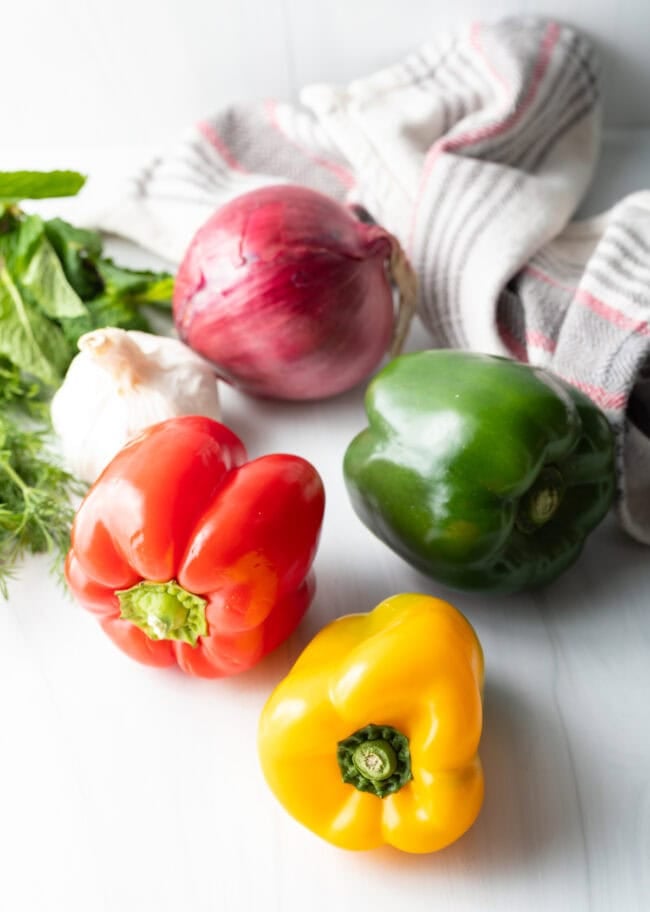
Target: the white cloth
pixel 475 151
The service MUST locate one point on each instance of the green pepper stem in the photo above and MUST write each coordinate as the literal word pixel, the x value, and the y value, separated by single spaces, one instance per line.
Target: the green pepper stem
pixel 541 500
pixel 164 611
pixel 375 759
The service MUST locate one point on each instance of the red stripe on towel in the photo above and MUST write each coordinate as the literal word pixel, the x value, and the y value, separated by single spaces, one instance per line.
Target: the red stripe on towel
pixel 344 176
pixel 538 340
pixel 452 144
pixel 512 343
pixel 601 396
pixel 208 132
pixel 606 311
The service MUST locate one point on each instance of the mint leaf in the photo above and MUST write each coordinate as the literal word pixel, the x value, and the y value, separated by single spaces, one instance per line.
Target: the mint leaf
pixel 136 285
pixel 45 279
pixel 110 311
pixel 31 259
pixel 31 341
pixel 20 185
pixel 105 311
pixel 158 292
pixel 19 242
pixel 77 249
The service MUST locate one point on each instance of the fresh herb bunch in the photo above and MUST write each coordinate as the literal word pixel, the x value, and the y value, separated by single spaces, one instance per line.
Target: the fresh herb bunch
pixel 55 285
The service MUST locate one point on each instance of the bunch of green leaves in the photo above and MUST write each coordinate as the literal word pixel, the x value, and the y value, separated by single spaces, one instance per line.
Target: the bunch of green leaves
pixel 55 285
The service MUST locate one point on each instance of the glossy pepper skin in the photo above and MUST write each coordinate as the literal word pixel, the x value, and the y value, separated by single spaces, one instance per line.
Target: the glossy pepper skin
pixel 485 473
pixel 398 692
pixel 191 555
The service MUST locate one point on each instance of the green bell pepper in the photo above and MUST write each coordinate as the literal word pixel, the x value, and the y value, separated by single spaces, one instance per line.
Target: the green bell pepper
pixel 485 473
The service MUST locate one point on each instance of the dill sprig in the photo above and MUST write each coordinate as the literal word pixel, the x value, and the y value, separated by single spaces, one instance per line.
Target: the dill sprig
pixel 19 394
pixel 35 498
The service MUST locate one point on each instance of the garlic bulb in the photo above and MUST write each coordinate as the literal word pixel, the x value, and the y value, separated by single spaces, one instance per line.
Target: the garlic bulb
pixel 121 382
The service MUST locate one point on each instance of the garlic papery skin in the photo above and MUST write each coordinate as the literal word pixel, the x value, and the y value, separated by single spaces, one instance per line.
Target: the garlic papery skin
pixel 120 383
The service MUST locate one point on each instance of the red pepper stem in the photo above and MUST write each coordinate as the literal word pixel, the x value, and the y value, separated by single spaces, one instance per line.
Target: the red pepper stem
pixel 164 611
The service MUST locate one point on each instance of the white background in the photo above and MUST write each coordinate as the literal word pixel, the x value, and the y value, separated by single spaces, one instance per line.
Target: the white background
pixel 89 72
pixel 126 789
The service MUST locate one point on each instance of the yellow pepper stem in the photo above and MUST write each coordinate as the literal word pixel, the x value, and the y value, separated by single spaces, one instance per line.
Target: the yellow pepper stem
pixel 375 759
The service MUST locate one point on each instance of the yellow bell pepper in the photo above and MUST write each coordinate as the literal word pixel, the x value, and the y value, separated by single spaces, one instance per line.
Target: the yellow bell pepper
pixel 372 737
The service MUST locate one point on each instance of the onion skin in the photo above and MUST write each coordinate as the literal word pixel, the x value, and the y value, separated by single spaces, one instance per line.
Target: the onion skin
pixel 286 292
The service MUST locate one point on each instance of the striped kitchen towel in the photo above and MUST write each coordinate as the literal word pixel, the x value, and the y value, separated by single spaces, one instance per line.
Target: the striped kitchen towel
pixel 475 151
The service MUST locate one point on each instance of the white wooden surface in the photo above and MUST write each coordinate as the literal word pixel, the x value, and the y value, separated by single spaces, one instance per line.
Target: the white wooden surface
pixel 127 789
pixel 92 73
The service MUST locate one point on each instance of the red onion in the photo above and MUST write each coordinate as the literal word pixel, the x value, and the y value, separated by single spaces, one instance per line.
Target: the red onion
pixel 288 294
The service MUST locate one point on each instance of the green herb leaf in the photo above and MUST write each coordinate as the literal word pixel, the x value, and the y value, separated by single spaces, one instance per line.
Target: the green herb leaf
pixel 19 242
pixel 137 285
pixel 32 288
pixel 45 279
pixel 77 249
pixel 105 311
pixel 31 341
pixel 20 185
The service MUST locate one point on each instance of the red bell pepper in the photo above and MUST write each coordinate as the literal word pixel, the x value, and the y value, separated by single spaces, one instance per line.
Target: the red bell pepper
pixel 190 554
